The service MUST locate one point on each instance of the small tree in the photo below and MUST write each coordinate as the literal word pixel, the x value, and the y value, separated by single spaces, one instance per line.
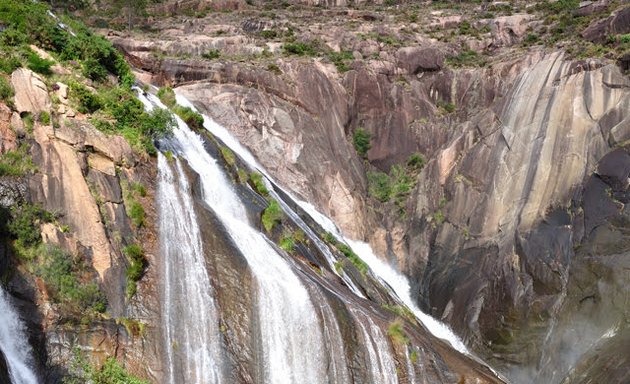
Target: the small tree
pixel 362 141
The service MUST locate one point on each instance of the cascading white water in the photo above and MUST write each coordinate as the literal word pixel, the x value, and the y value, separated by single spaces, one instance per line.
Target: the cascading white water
pixel 382 365
pixel 291 338
pixel 191 326
pixel 14 344
pixel 395 279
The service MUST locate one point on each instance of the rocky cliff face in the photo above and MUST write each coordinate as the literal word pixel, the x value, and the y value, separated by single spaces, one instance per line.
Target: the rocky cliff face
pixel 514 232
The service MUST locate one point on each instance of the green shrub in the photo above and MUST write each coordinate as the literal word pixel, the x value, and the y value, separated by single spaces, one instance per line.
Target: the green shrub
pixel 93 70
pixel 137 262
pixel 139 189
pixel 6 90
pixel 228 156
pixel 212 54
pixel 9 63
pixel 271 216
pixel 39 65
pixel 167 96
pixel 467 58
pixel 397 333
pixel 62 278
pixel 301 49
pixel 361 140
pixel 379 186
pixel 446 108
pixel 268 34
pixel 25 222
pixel 287 243
pixel 353 257
pixel 110 373
pixel 340 59
pixel 44 118
pixel 415 161
pixel 88 101
pixel 274 68
pixel 256 182
pixel 402 311
pixel 136 214
pixel 193 119
pixel 157 124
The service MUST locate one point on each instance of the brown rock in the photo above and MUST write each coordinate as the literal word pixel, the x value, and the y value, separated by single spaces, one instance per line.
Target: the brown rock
pixel 31 94
pixel 419 59
pixel 617 23
pixel 8 139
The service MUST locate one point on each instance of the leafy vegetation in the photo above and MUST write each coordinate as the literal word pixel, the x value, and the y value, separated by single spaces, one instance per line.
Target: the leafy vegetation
pixel 228 156
pixel 396 332
pixel 193 119
pixel 66 280
pixel 6 90
pixel 361 140
pixel 137 263
pixel 135 211
pixel 16 163
pixel 39 65
pixel 212 54
pixel 301 48
pixel 271 216
pixel 167 96
pixel 341 59
pixel 402 311
pixel 287 243
pixel 467 58
pixel 25 222
pixel 347 252
pixel 110 373
pixel 256 182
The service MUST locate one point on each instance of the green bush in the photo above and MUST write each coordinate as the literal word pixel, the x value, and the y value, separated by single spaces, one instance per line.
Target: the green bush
pixel 397 333
pixel 167 96
pixel 93 70
pixel 268 34
pixel 88 101
pixel 228 156
pixel 136 213
pixel 301 49
pixel 25 223
pixel 287 243
pixel 467 58
pixel 193 119
pixel 271 216
pixel 6 90
pixel 9 63
pixel 415 161
pixel 212 54
pixel 39 65
pixel 137 262
pixel 62 278
pixel 256 182
pixel 340 59
pixel 157 124
pixel 139 189
pixel 361 140
pixel 379 186
pixel 110 373
pixel 44 118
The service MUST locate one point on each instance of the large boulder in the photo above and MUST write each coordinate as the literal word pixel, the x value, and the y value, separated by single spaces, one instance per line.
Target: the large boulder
pixel 618 23
pixel 420 59
pixel 31 94
pixel 8 139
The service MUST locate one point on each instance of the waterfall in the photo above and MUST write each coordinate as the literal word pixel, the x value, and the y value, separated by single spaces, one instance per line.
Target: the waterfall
pixel 385 272
pixel 191 326
pixel 291 338
pixel 14 344
pixel 382 365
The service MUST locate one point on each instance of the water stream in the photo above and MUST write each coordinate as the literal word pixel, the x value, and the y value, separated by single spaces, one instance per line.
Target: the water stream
pixel 14 344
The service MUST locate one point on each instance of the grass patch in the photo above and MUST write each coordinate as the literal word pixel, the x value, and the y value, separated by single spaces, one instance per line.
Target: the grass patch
pixel 271 216
pixel 193 119
pixel 167 96
pixel 347 252
pixel 287 243
pixel 396 332
pixel 301 48
pixel 39 65
pixel 467 58
pixel 228 156
pixel 137 262
pixel 134 209
pixel 6 90
pixel 110 373
pixel 17 163
pixel 402 311
pixel 211 54
pixel 361 140
pixel 341 59
pixel 257 183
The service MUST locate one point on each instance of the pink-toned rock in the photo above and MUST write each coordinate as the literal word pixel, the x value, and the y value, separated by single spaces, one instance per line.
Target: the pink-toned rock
pixel 31 94
pixel 509 30
pixel 8 139
pixel 419 59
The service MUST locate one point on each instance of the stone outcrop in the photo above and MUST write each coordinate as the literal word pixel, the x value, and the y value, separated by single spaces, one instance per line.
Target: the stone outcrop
pixel 8 138
pixel 617 24
pixel 31 94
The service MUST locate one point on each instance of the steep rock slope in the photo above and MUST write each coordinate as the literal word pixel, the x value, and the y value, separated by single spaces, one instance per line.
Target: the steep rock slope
pixel 507 234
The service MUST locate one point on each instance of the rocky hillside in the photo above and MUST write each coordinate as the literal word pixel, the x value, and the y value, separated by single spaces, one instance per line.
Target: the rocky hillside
pixel 481 147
